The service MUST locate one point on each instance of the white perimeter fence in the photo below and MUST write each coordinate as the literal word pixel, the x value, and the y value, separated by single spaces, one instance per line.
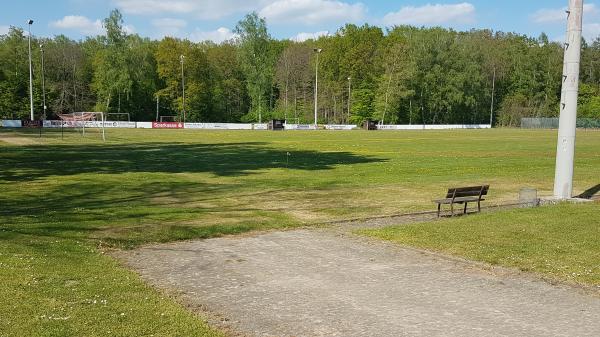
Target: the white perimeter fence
pixel 230 126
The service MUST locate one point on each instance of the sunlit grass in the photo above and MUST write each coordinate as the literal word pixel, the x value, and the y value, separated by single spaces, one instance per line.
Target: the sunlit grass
pixel 64 201
pixel 558 242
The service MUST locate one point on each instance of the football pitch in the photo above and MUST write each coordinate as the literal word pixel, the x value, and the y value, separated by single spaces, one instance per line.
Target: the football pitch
pixel 65 200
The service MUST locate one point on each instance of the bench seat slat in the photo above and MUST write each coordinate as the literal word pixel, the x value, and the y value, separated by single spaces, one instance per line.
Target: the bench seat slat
pixel 458 200
pixel 467 191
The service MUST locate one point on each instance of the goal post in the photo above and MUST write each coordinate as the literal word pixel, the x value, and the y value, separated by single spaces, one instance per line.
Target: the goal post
pixel 81 119
pixel 167 118
pixel 119 114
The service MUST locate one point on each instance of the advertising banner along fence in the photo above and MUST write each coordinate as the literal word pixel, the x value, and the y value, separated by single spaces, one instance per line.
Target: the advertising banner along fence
pixel 434 127
pixel 167 125
pixel 218 126
pixel 299 127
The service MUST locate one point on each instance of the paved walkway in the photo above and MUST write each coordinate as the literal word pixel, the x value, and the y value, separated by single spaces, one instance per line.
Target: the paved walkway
pixel 325 283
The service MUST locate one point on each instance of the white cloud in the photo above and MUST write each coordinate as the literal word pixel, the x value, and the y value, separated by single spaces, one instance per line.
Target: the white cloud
pixel 591 15
pixel 556 15
pixel 155 6
pixel 169 26
pixel 432 14
pixel 313 11
pixel 4 30
pixel 591 31
pixel 129 29
pixel 206 9
pixel 85 25
pixel 301 37
pixel 80 23
pixel 220 35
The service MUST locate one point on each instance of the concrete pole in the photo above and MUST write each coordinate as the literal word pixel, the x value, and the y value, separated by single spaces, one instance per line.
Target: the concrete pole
pixel 30 22
pixel 565 154
pixel 157 108
pixel 43 82
pixel 493 93
pixel 318 51
pixel 349 98
pixel 182 58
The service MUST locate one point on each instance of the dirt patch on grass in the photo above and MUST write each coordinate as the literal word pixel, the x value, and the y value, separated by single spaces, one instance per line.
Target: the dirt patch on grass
pixel 12 140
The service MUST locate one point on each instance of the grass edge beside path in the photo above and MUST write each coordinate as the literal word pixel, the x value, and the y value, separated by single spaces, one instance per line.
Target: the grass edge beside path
pixel 68 287
pixel 560 243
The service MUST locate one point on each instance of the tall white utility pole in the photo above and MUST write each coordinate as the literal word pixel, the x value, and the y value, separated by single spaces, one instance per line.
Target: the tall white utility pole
pixel 30 22
pixel 493 93
pixel 157 108
pixel 43 82
pixel 182 58
pixel 318 51
pixel 565 153
pixel 349 98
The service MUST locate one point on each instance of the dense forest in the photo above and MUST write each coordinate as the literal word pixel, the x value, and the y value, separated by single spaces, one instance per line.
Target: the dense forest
pixel 402 75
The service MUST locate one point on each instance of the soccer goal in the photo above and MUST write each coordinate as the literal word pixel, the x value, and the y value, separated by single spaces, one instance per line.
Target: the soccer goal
pixel 83 120
pixel 119 117
pixel 168 118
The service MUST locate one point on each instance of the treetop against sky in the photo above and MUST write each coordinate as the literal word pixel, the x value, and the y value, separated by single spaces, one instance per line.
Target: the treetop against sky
pixel 200 20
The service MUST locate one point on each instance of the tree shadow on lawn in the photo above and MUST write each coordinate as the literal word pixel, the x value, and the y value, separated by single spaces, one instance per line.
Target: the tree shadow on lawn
pixel 128 216
pixel 591 193
pixel 231 159
pixel 148 209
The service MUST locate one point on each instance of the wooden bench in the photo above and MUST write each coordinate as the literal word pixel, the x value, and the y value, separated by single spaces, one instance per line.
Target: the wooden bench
pixel 463 195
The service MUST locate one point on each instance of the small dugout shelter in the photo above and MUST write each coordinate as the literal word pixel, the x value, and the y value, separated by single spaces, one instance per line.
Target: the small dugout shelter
pixel 276 125
pixel 370 125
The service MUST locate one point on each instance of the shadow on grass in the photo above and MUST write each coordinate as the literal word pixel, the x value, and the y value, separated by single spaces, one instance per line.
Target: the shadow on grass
pixel 590 193
pixel 127 213
pixel 128 216
pixel 232 159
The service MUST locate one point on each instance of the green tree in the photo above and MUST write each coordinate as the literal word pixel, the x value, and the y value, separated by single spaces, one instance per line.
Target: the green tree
pixel 112 72
pixel 256 58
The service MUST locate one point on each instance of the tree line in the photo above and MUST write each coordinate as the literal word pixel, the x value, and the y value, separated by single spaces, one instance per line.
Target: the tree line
pixel 402 75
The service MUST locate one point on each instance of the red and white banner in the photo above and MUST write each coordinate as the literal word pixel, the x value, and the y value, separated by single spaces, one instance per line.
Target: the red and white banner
pixel 167 125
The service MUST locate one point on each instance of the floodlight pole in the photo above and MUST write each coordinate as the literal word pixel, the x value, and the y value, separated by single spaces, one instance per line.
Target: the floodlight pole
pixel 349 97
pixel 493 93
pixel 30 22
pixel 565 153
pixel 157 108
pixel 318 51
pixel 182 58
pixel 43 82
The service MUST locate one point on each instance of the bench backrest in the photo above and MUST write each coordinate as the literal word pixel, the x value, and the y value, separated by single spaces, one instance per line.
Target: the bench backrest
pixel 474 191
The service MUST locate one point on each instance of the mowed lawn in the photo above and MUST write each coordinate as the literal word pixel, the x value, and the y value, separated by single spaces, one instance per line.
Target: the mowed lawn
pixel 65 202
pixel 559 242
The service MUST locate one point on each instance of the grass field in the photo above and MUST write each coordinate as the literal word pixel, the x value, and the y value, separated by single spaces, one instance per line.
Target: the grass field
pixel 64 201
pixel 560 243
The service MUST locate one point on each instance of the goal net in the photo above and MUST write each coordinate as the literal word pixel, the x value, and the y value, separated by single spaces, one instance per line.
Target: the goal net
pixel 118 117
pixel 168 118
pixel 83 120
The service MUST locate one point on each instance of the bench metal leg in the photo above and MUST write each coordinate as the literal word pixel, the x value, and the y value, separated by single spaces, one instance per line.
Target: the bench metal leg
pixel 479 206
pixel 439 209
pixel 465 211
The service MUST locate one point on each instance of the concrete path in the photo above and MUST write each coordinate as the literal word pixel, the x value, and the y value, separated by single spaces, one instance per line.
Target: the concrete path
pixel 324 283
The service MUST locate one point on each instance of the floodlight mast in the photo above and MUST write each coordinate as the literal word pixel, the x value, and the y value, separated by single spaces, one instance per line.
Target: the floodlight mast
pixel 565 153
pixel 29 23
pixel 182 59
pixel 349 98
pixel 43 83
pixel 318 51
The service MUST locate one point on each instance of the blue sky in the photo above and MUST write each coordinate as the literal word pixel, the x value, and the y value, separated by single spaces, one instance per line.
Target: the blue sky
pixel 299 19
